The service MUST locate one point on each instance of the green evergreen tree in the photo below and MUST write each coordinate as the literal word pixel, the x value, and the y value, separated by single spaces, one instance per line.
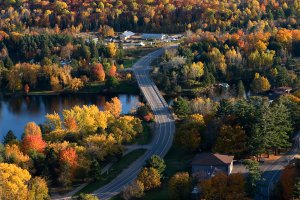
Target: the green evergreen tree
pixel 254 178
pixel 9 137
pixel 282 127
pixel 8 63
pixel 95 170
pixel 241 90
pixel 181 107
pixel 157 162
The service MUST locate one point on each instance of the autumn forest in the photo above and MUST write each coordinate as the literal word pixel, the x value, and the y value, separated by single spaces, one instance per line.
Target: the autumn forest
pixel 229 69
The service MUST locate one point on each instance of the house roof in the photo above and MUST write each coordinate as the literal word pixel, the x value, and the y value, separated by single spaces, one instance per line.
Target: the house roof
pixel 282 89
pixel 152 35
pixel 212 159
pixel 128 33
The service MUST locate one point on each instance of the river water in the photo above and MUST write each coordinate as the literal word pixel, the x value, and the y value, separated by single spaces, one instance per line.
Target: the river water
pixel 15 112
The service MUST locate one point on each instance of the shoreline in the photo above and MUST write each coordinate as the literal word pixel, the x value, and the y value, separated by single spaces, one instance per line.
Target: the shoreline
pixel 98 88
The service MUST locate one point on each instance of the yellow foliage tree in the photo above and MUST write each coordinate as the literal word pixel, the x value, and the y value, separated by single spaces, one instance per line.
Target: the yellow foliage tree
pixel 38 189
pixel 196 70
pixel 179 185
pixel 260 84
pixel 15 155
pixel 32 128
pixel 112 49
pixel 13 181
pixel 54 121
pixel 218 59
pixel 76 84
pixel 150 177
pixel 114 106
pixel 102 145
pixel 197 118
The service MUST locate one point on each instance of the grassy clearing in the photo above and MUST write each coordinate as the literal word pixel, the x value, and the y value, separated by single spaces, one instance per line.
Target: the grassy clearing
pixel 177 160
pixel 129 61
pixel 145 137
pixel 133 55
pixel 125 87
pixel 114 171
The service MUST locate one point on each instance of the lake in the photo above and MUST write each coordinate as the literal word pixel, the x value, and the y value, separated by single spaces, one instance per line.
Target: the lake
pixel 15 112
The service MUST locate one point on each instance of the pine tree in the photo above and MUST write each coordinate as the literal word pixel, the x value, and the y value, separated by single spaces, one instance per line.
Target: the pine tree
pixel 181 107
pixel 9 137
pixel 241 90
pixel 95 170
pixel 282 127
pixel 255 176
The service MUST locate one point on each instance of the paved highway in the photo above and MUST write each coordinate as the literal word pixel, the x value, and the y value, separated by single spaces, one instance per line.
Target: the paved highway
pixel 164 128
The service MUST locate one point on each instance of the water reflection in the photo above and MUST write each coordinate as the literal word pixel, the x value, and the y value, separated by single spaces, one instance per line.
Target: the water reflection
pixel 15 112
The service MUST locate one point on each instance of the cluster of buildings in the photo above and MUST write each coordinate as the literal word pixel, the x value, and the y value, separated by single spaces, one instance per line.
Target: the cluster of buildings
pixel 131 39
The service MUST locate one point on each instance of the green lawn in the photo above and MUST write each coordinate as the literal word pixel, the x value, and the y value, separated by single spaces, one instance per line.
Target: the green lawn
pixel 114 171
pixel 176 160
pixel 132 55
pixel 129 61
pixel 125 87
pixel 145 137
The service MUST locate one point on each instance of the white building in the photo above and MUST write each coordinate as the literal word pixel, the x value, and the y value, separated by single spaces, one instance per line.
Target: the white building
pixel 153 36
pixel 126 35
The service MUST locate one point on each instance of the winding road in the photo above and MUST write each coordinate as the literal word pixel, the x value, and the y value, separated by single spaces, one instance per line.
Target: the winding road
pixel 164 128
pixel 271 173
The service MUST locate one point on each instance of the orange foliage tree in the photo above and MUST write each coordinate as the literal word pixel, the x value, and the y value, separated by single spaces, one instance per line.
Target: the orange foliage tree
pixel 113 71
pixel 69 157
pixel 33 142
pixel 33 138
pixel 71 124
pixel 114 106
pixel 98 72
pixel 224 187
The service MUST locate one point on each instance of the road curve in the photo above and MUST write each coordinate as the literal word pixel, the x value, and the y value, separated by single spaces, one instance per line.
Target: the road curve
pixel 271 174
pixel 164 127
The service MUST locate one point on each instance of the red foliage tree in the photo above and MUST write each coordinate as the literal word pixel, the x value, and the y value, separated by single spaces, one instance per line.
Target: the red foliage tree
pixel 33 142
pixel 69 156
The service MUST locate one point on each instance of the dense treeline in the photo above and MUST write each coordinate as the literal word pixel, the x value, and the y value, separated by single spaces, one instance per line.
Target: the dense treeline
pixel 238 127
pixel 259 61
pixel 55 62
pixel 158 16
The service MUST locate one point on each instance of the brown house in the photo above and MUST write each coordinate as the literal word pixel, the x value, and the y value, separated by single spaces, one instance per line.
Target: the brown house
pixel 205 165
